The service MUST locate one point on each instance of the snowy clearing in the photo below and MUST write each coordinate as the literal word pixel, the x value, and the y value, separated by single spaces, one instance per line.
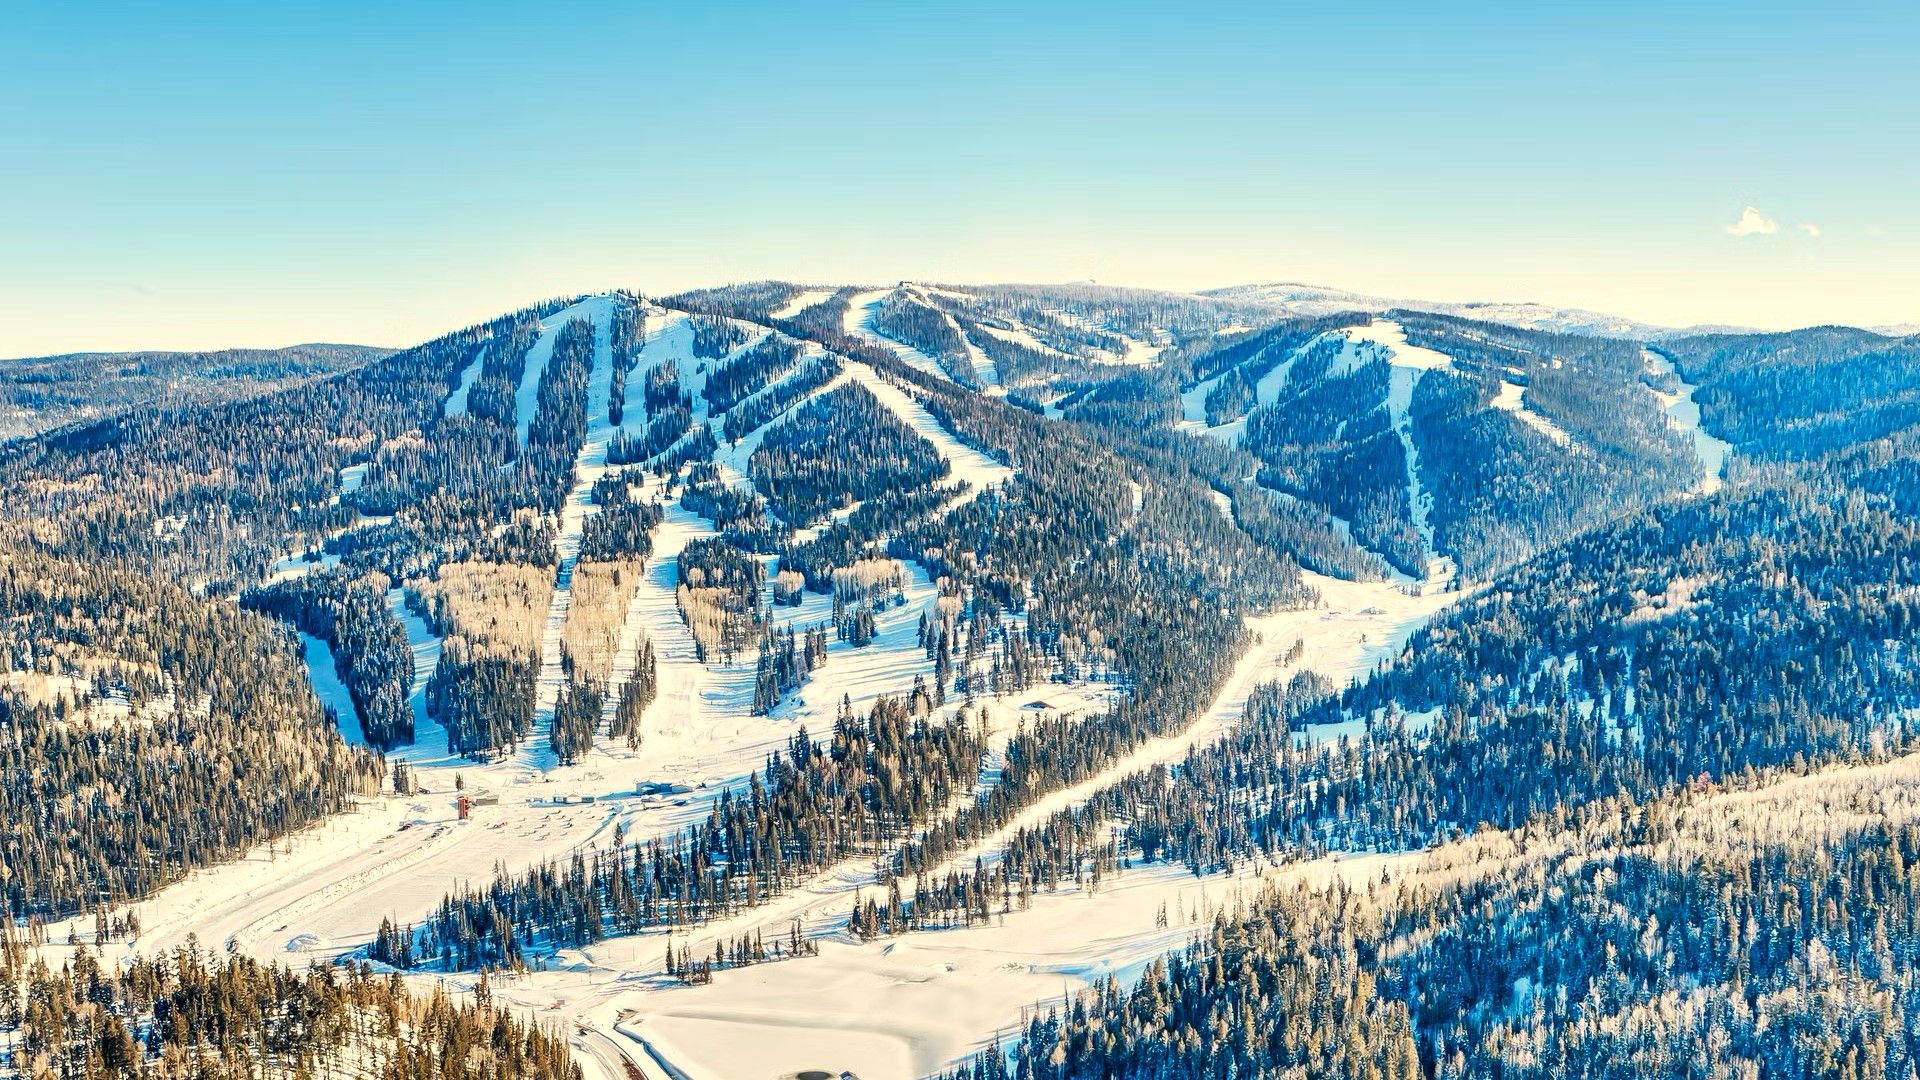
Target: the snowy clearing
pixel 950 992
pixel 1512 398
pixel 1683 413
pixel 456 402
pixel 328 687
pixel 806 299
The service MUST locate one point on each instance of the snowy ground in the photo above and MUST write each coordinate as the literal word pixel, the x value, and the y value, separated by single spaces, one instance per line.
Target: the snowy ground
pixel 456 402
pixel 949 992
pixel 859 323
pixel 977 469
pixel 806 299
pixel 398 856
pixel 1683 412
pixel 985 371
pixel 1409 363
pixel 1193 403
pixel 1512 398
pixel 331 691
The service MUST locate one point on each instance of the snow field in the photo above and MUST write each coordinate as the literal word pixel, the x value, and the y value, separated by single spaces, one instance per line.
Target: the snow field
pixel 1409 364
pixel 949 992
pixel 1193 403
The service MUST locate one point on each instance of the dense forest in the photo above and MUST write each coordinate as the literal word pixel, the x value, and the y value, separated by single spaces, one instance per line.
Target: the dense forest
pixel 1698 935
pixel 232 1018
pixel 147 734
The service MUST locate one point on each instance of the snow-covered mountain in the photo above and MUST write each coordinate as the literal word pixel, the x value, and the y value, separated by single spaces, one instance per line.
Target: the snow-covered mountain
pixel 972 644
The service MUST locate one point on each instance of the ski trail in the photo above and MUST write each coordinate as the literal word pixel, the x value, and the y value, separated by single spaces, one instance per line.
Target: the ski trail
pixel 1683 414
pixel 588 466
pixel 429 738
pixel 965 463
pixel 1409 364
pixel 1193 403
pixel 526 399
pixel 985 371
pixel 801 302
pixel 456 400
pixel 859 324
pixel 1512 399
pixel 329 688
pixel 733 458
pixel 700 711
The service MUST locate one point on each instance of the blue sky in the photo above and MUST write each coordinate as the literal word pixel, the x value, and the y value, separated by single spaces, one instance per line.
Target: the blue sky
pixel 197 175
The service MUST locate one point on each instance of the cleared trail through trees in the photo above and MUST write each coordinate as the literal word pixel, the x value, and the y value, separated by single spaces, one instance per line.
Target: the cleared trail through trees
pixel 1409 364
pixel 588 465
pixel 1683 413
pixel 455 403
pixel 859 323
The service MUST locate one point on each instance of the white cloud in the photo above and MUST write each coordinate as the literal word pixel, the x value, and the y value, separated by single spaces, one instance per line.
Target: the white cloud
pixel 1753 222
pixel 1810 229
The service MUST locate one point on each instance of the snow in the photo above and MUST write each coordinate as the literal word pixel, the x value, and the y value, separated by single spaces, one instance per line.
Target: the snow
pixel 1409 364
pixel 948 993
pixel 1138 354
pixel 1512 399
pixel 1683 414
pixel 985 371
pixel 326 890
pixel 806 299
pixel 1193 403
pixel 1312 300
pixel 331 691
pixel 323 892
pixel 526 400
pixel 589 464
pixel 733 458
pixel 429 738
pixel 976 468
pixel 288 567
pixel 1020 334
pixel 859 323
pixel 456 403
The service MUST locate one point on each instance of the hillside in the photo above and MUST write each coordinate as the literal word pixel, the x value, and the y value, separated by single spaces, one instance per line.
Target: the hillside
pixel 932 640
pixel 45 392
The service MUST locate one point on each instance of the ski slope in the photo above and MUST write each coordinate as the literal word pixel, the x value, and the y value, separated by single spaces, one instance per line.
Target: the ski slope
pixel 805 299
pixel 332 693
pixel 1683 414
pixel 859 323
pixel 1409 364
pixel 978 470
pixel 589 464
pixel 456 400
pixel 1512 399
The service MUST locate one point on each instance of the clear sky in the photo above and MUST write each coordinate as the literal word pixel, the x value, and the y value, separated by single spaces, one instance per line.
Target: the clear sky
pixel 186 175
